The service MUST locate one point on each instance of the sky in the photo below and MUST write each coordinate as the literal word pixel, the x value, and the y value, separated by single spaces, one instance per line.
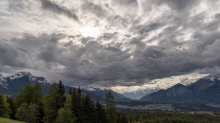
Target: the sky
pixel 125 45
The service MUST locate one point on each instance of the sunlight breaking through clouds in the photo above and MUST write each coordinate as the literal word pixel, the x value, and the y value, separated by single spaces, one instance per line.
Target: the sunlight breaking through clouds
pixel 110 43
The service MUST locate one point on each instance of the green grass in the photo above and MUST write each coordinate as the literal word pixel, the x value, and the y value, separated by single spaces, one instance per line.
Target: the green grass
pixel 5 120
pixel 203 112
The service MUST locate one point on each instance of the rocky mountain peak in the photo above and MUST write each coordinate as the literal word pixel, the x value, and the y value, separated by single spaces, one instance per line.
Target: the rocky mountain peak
pixel 206 82
pixel 23 74
pixel 212 77
pixel 178 85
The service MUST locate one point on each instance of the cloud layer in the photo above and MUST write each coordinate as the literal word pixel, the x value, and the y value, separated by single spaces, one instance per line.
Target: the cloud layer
pixel 140 41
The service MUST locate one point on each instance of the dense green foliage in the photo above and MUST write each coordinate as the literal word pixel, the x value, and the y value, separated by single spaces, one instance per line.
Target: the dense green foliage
pixel 31 106
pixel 164 117
pixel 5 109
pixel 110 108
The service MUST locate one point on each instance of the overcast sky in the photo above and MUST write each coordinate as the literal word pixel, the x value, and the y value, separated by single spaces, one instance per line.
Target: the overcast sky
pixel 122 44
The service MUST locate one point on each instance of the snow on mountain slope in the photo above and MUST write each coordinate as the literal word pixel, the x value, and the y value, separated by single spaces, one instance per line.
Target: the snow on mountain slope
pixel 5 81
pixel 204 90
pixel 212 77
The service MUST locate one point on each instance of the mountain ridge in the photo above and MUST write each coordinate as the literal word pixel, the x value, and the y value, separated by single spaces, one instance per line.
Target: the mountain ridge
pixel 9 85
pixel 204 90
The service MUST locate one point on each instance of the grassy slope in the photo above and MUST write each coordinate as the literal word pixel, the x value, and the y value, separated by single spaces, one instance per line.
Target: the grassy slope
pixel 5 120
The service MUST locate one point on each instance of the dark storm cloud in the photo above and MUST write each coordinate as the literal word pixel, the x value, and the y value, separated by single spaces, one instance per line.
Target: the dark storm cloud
pixel 8 53
pixel 173 43
pixel 48 53
pixel 178 5
pixel 217 16
pixel 53 7
pixel 30 43
pixel 144 29
pixel 97 10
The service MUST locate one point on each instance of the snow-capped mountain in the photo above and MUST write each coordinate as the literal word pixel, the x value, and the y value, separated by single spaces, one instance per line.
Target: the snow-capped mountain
pixel 212 77
pixel 9 85
pixel 205 90
pixel 7 80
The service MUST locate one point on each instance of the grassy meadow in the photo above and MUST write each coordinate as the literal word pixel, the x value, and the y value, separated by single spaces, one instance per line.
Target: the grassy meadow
pixel 5 120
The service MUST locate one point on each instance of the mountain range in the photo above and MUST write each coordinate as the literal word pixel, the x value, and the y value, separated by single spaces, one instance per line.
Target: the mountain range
pixel 9 85
pixel 102 92
pixel 140 93
pixel 205 90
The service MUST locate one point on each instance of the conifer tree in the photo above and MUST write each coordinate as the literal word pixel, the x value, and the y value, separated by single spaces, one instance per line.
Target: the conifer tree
pixel 104 115
pixel 70 91
pixel 27 113
pixel 123 119
pixel 19 98
pixel 38 99
pixel 98 108
pixel 21 112
pixel 110 107
pixel 38 94
pixel 74 100
pixel 61 91
pixel 74 91
pixel 51 103
pixel 2 106
pixel 79 92
pixel 28 94
pixel 65 115
pixel 89 110
pixel 8 110
pixel 79 107
pixel 12 107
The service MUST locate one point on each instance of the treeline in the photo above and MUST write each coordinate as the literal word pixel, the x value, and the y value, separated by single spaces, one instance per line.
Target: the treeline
pixel 165 117
pixel 30 105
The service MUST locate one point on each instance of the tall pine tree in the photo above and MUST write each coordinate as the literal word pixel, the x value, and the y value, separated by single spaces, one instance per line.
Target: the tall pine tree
pixel 61 91
pixel 38 100
pixel 51 103
pixel 38 94
pixel 2 106
pixel 110 107
pixel 70 91
pixel 19 98
pixel 28 94
pixel 79 107
pixel 65 114
pixel 8 110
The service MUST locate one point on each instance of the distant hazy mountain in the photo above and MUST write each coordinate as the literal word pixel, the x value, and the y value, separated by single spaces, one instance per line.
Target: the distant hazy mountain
pixel 205 90
pixel 140 93
pixel 102 92
pixel 9 85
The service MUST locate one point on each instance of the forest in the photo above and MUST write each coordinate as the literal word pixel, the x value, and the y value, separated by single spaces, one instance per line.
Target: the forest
pixel 31 106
